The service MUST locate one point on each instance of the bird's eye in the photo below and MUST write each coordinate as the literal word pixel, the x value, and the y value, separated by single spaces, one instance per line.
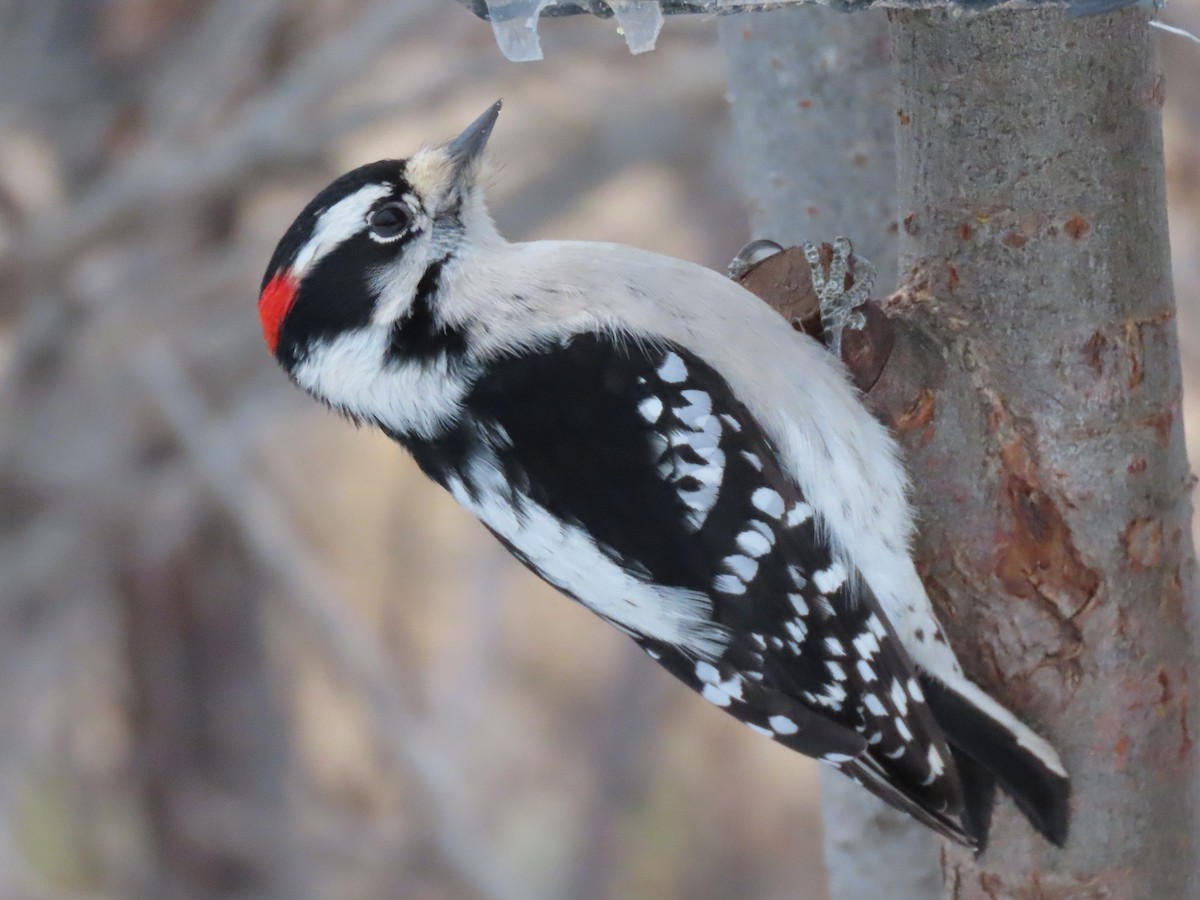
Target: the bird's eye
pixel 389 221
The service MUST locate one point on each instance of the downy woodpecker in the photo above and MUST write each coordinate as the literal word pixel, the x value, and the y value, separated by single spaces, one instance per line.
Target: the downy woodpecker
pixel 659 445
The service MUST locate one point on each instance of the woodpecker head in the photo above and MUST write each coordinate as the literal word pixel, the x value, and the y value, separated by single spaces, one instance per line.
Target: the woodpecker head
pixel 364 251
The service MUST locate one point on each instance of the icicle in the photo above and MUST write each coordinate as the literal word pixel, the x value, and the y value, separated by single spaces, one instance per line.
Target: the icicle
pixel 515 24
pixel 640 21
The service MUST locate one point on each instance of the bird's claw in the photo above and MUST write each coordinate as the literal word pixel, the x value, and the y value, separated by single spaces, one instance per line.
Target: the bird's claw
pixel 839 304
pixel 750 256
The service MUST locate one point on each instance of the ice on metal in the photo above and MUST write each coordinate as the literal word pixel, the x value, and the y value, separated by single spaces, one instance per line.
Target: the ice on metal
pixel 640 21
pixel 515 23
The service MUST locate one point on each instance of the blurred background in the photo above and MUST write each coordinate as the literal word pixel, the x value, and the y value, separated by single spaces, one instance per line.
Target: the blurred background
pixel 245 649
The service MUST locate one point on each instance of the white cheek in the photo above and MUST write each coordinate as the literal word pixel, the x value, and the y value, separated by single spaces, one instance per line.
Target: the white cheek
pixel 349 373
pixel 396 282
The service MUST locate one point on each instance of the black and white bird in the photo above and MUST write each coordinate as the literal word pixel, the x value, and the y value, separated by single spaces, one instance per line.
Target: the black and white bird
pixel 659 445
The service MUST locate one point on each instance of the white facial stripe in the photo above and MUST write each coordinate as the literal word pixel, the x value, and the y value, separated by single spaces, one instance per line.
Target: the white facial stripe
pixel 339 223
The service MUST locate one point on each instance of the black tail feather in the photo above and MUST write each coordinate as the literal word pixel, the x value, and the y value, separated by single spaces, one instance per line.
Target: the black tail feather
pixel 1040 793
pixel 979 796
pixel 867 772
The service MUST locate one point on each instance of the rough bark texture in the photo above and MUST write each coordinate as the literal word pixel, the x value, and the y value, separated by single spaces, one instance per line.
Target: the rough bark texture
pixel 811 91
pixel 1038 398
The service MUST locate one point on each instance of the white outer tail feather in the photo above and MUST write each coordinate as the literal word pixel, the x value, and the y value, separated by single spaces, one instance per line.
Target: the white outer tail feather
pixel 1025 736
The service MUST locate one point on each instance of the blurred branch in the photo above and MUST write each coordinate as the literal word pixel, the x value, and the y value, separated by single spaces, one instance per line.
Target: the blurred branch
pixel 622 742
pixel 213 743
pixel 276 128
pixel 224 52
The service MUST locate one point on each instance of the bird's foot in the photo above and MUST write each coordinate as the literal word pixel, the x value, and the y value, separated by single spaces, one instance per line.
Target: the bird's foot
pixel 840 303
pixel 750 256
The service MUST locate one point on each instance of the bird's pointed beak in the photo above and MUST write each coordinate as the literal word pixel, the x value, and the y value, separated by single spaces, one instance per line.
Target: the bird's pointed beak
pixel 464 151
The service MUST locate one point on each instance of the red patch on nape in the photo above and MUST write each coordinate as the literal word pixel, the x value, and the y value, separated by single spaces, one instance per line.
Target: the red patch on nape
pixel 274 303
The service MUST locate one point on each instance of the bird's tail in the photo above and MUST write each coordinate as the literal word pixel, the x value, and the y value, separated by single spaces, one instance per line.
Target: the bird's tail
pixel 990 747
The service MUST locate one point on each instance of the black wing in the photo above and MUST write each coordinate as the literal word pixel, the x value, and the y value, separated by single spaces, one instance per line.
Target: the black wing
pixel 645 448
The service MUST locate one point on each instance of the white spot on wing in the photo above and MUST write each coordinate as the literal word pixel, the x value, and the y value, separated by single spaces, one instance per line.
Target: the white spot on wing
pixel 936 764
pixel 914 690
pixel 651 409
pixel 798 514
pixel 701 502
pixel 782 725
pixel 715 690
pixel 698 409
pixel 743 567
pixel 866 644
pixel 764 529
pixel 753 544
pixel 833 696
pixel 829 580
pixel 729 584
pixel 767 501
pixel 672 370
pixel 704 473
pixel 874 706
pixel 714 695
pixel 797 575
pixel 732 687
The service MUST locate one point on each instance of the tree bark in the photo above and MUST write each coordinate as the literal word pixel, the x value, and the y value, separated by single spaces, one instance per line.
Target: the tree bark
pixel 1039 406
pixel 811 91
pixel 811 97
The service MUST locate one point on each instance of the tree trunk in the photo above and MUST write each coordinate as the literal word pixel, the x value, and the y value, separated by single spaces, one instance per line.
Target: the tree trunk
pixel 811 90
pixel 1043 426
